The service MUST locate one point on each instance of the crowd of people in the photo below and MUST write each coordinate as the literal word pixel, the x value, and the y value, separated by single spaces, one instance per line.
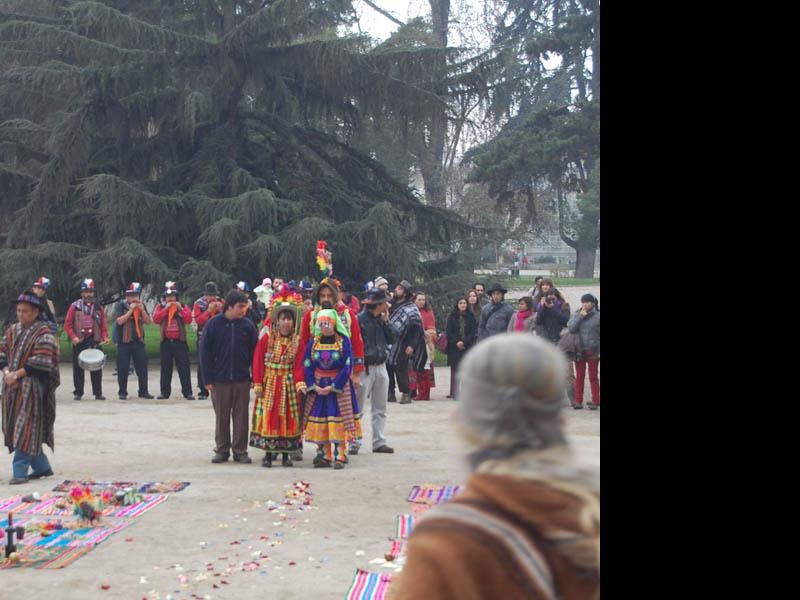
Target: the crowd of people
pixel 527 523
pixel 315 358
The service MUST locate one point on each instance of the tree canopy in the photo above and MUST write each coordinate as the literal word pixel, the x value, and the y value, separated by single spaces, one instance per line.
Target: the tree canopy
pixel 202 141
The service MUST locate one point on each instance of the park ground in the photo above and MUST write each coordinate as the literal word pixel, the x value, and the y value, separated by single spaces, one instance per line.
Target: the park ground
pixel 220 518
pixel 219 522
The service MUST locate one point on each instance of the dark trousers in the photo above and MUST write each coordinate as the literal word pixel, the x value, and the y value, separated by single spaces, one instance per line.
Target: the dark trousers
pixel 78 376
pixel 401 373
pixel 230 400
pixel 390 371
pixel 201 384
pixel 125 353
pixel 177 352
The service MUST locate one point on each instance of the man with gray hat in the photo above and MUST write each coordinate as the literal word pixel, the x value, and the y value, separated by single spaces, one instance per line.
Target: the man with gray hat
pixel 527 524
pixel 495 316
pixel 205 307
pixel 409 349
pixel 377 335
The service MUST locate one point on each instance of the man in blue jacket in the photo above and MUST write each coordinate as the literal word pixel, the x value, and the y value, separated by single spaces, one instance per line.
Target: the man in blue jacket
pixel 226 356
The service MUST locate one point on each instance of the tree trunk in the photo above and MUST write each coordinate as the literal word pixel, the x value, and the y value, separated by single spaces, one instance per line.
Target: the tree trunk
pixel 432 166
pixel 584 264
pixel 228 15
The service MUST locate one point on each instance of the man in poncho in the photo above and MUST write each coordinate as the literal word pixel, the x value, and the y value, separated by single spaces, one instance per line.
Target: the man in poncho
pixel 29 360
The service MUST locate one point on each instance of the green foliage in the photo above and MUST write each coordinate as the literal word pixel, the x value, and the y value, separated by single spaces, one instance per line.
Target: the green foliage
pixel 153 141
pixel 553 140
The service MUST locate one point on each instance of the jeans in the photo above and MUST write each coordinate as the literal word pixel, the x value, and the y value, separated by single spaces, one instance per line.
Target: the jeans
pixel 375 386
pixel 22 461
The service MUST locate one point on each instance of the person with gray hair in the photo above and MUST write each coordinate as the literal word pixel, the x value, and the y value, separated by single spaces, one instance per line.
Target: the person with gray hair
pixel 527 524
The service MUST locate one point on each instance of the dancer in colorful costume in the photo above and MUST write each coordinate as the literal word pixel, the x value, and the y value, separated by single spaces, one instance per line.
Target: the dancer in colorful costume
pixel 277 412
pixel 331 416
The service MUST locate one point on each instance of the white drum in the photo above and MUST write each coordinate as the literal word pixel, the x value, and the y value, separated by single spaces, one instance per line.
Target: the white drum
pixel 92 359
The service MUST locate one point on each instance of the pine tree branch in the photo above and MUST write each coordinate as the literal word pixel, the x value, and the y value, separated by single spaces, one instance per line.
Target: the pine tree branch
pixel 386 14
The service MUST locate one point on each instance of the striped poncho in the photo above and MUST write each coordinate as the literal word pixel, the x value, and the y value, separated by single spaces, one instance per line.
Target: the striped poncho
pixel 29 409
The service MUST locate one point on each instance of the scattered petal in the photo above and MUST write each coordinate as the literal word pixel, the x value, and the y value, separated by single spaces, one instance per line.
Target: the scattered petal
pixel 360 553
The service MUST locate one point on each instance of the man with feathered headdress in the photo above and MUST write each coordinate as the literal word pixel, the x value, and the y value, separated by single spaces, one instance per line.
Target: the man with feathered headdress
pixel 277 412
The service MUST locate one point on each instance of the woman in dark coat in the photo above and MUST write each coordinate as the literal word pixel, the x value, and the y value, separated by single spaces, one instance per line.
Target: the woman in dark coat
pixel 462 332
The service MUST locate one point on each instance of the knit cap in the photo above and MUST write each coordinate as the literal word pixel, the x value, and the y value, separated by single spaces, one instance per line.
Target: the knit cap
pixel 512 394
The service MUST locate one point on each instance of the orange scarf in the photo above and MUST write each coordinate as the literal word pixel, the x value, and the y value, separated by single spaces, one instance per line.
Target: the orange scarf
pixel 173 308
pixel 136 312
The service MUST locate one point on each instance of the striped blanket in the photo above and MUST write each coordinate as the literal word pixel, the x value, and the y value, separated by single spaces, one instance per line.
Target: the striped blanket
pixel 404 526
pixel 49 506
pixel 432 494
pixel 368 586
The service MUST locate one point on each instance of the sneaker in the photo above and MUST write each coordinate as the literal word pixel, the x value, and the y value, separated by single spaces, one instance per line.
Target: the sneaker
pixel 100 397
pixel 322 463
pixel 267 461
pixel 163 397
pixel 243 459
pixel 594 406
pixel 577 406
pixel 77 396
pixel 353 450
pixel 384 449
pixel 48 473
pixel 338 465
pixel 297 456
pixel 17 480
pixel 202 396
pixel 123 396
pixel 405 399
pixel 318 459
pixel 220 458
pixel 189 397
pixel 287 462
pixel 146 396
pixel 392 397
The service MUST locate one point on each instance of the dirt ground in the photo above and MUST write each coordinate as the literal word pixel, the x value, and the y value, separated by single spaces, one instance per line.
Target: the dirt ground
pixel 218 523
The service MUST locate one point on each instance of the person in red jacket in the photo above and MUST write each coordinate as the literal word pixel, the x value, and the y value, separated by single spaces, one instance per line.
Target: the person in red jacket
pixel 328 296
pixel 173 317
pixel 206 306
pixel 86 328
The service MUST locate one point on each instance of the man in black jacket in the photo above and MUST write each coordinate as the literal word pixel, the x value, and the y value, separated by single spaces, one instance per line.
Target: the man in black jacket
pixel 377 335
pixel 226 356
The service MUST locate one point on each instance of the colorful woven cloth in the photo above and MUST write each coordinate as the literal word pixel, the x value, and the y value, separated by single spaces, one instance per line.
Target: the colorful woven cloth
pixel 432 494
pixel 152 487
pixel 36 557
pixel 398 550
pixel 49 505
pixel 368 586
pixel 404 527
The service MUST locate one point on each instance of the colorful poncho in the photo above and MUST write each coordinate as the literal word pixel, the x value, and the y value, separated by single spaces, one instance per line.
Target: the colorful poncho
pixel 29 409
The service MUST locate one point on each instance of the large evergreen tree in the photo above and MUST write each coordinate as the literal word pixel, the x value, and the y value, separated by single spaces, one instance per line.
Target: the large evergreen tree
pixel 149 140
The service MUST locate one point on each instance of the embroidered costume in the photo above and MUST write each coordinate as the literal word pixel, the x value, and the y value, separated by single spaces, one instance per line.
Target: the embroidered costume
pixel 331 419
pixel 277 414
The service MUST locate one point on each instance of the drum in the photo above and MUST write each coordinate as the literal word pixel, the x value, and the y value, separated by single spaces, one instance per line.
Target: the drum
pixel 92 359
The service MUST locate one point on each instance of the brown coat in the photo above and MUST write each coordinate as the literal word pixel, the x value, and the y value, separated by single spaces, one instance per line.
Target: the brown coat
pixel 452 560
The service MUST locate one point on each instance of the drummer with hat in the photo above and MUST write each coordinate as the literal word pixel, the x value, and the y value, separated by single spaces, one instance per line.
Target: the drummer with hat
pixel 496 315
pixel 29 361
pixel 86 328
pixel 173 317
pixel 131 316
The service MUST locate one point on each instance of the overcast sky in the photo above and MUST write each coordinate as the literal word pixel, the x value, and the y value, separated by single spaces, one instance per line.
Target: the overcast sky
pixel 378 26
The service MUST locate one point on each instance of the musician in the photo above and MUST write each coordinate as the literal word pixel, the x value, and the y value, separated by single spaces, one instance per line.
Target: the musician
pixel 131 316
pixel 173 317
pixel 205 307
pixel 86 328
